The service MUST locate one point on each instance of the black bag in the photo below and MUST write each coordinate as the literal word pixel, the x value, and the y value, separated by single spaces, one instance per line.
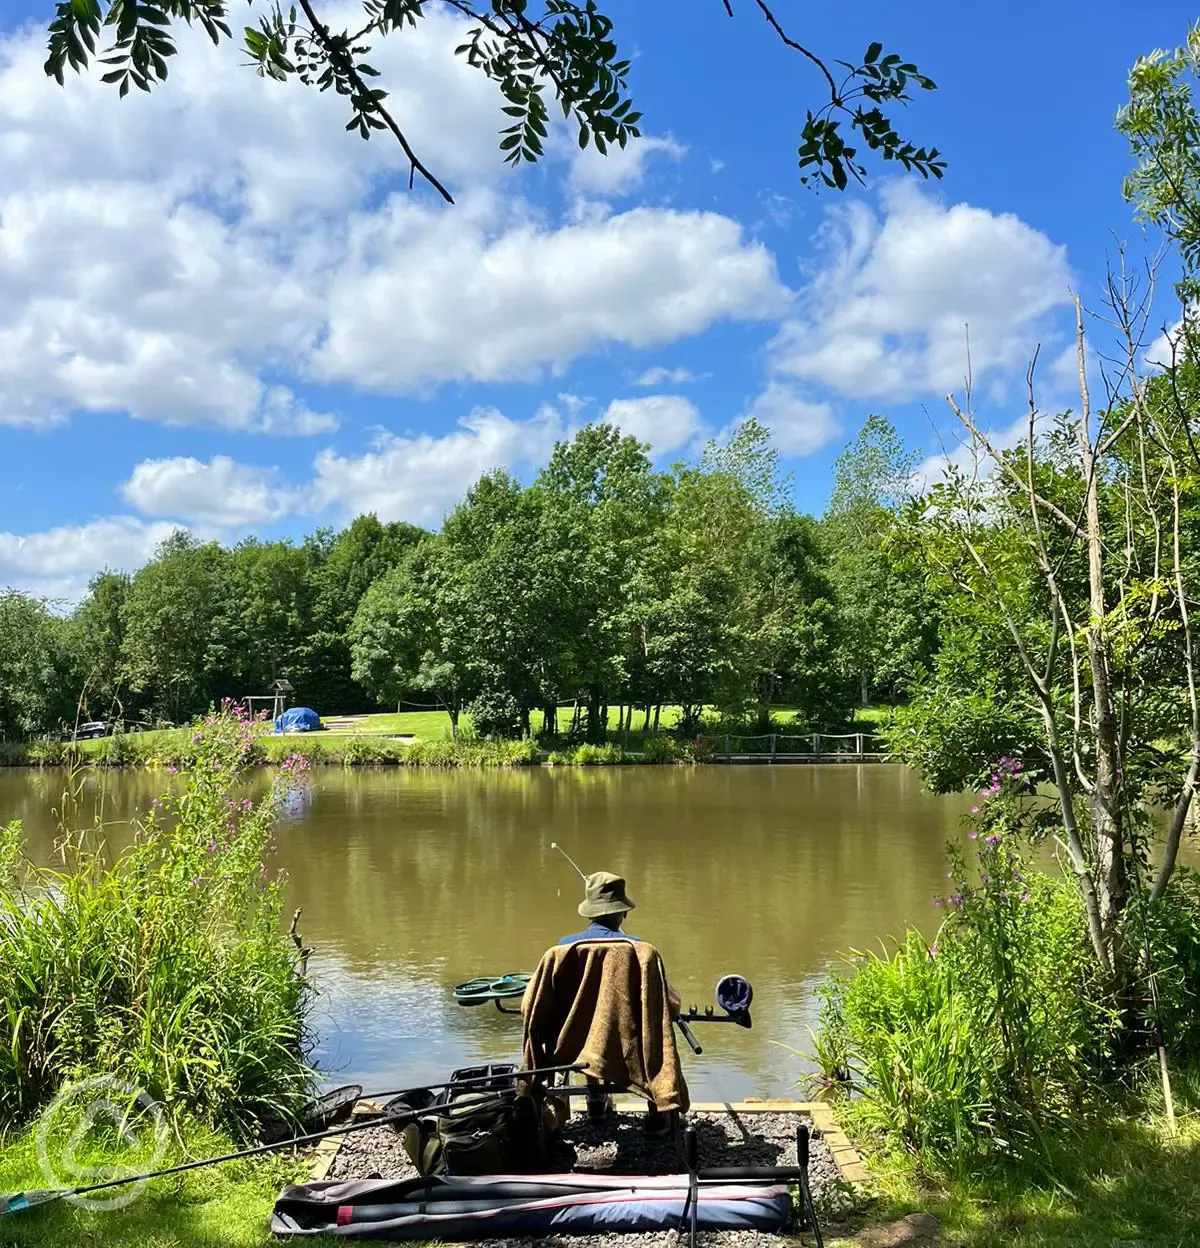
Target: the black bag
pixel 482 1132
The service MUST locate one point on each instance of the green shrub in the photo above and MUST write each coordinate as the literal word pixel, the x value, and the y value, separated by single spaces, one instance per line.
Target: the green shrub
pixel 980 1043
pixel 495 713
pixel 589 755
pixel 277 749
pixel 14 754
pixel 367 751
pixel 421 753
pixel 165 966
pixel 1172 926
pixel 115 751
pixel 49 752
pixel 663 750
pixel 522 753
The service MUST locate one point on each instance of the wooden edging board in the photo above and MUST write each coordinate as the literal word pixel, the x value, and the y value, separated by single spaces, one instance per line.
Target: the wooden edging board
pixel 824 1120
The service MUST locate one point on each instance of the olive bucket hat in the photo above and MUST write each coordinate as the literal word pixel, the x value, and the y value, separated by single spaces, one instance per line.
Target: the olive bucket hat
pixel 604 893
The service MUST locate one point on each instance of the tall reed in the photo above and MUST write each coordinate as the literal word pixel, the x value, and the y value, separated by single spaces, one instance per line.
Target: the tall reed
pixel 164 963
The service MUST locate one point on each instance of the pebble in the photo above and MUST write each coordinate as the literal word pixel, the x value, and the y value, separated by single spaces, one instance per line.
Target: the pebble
pixel 618 1146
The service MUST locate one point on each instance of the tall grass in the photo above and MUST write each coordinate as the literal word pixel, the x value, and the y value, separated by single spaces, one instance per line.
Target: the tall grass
pixel 166 964
pixel 986 1042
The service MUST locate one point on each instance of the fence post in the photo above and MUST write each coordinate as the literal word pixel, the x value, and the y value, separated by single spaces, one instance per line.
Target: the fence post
pixel 772 747
pixel 727 747
pixel 858 740
pixel 816 745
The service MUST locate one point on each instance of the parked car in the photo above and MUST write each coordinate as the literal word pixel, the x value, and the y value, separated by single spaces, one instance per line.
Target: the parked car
pixel 95 728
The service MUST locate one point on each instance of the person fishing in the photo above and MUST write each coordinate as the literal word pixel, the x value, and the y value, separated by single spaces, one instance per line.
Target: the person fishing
pixel 605 904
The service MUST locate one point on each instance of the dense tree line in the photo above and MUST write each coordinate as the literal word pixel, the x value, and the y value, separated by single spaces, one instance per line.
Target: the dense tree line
pixel 603 583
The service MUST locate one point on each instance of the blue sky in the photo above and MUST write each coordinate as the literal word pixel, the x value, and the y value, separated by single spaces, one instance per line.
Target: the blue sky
pixel 219 311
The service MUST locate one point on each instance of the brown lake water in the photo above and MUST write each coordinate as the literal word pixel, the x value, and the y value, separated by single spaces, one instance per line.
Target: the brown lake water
pixel 414 880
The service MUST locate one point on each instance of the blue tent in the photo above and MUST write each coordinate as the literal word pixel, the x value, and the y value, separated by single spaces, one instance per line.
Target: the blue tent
pixel 298 719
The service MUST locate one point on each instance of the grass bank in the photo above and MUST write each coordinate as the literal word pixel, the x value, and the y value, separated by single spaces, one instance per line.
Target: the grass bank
pixel 225 1206
pixel 409 738
pixel 1121 1181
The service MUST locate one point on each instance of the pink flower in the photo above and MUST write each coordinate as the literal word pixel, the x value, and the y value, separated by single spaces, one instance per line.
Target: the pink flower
pixel 937 901
pixel 212 847
pixel 994 839
pixel 957 899
pixel 974 835
pixel 974 810
pixel 1025 898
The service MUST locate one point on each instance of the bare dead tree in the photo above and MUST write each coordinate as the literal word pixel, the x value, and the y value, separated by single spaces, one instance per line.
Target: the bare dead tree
pixel 1079 659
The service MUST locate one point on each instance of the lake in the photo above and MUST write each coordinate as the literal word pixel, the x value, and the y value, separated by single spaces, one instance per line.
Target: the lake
pixel 413 880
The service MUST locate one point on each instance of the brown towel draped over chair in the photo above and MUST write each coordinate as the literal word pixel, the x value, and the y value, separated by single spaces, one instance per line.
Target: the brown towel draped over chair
pixel 604 1002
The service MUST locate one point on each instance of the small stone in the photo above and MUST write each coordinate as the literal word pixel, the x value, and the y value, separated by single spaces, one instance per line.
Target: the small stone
pixel 619 1146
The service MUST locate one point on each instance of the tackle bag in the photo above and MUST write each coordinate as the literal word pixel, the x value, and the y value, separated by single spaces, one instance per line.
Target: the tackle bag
pixel 489 1130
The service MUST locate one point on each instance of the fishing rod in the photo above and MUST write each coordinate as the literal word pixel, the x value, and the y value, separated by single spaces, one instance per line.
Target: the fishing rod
pixel 17 1202
pixel 556 845
pixel 506 1076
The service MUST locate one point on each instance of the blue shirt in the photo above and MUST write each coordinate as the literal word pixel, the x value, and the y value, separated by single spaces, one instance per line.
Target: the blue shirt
pixel 597 931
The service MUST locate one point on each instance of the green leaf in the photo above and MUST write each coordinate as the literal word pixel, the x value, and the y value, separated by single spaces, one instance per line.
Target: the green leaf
pixel 873 53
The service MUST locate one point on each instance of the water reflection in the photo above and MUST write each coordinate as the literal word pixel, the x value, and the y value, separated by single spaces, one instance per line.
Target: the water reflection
pixel 412 881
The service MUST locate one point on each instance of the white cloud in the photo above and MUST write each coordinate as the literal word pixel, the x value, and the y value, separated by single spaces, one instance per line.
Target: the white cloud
pixel 619 171
pixel 667 422
pixel 429 297
pixel 166 254
pixel 887 314
pixel 659 375
pixel 1166 348
pixel 418 477
pixel 262 147
pixel 222 493
pixel 119 298
pixel 57 563
pixel 798 425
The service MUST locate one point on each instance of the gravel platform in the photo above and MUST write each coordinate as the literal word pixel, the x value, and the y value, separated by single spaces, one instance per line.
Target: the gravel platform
pixel 618 1146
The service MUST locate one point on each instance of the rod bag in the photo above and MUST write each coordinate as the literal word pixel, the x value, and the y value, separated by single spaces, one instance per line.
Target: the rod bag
pixel 468 1208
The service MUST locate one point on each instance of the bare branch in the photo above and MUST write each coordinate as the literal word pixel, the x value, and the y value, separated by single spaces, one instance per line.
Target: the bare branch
pixel 1072 525
pixel 321 32
pixel 1187 790
pixel 773 22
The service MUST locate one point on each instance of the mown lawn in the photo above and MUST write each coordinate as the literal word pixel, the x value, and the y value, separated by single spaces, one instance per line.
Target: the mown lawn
pixel 225 1206
pixel 1125 1183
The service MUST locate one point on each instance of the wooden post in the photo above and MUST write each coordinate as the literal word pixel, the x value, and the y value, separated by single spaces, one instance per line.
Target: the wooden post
pixel 858 740
pixel 772 747
pixel 816 745
pixel 727 747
